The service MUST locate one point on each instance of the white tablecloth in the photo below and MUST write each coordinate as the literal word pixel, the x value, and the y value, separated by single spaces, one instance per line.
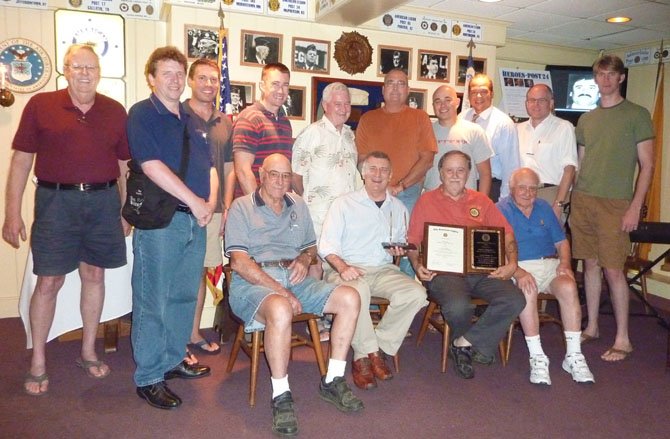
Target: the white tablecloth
pixel 118 297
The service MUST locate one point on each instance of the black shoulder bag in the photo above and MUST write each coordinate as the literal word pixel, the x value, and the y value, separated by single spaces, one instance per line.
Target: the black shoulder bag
pixel 148 206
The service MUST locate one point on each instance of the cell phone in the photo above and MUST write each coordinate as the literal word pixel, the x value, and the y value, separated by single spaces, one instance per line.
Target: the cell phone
pixel 402 245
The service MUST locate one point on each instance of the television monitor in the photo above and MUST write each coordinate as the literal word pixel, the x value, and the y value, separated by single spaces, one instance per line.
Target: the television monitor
pixel 575 90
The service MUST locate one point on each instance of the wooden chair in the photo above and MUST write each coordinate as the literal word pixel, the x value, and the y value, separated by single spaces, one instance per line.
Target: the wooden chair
pixel 254 348
pixel 433 317
pixel 634 265
pixel 377 314
pixel 545 317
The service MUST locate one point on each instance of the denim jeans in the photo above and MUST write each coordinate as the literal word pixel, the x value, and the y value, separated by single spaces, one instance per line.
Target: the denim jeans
pixel 409 197
pixel 166 274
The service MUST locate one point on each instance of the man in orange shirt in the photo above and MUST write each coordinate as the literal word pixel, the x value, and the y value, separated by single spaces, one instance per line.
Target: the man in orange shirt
pixel 406 135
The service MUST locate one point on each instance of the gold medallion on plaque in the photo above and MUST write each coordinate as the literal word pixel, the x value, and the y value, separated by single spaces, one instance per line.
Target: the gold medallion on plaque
pixel 474 212
pixel 353 52
pixel 456 30
pixel 273 5
pixel 228 2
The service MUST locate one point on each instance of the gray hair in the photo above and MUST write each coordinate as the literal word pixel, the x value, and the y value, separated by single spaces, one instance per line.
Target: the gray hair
pixel 77 47
pixel 331 88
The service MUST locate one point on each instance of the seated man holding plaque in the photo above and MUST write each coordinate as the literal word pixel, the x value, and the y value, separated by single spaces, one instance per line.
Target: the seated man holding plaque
pixel 468 251
pixel 362 232
pixel 544 266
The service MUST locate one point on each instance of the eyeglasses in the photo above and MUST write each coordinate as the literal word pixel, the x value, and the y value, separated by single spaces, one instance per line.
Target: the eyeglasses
pixel 395 84
pixel 77 68
pixel 276 175
pixel 541 101
pixel 276 85
pixel 480 92
pixel 524 188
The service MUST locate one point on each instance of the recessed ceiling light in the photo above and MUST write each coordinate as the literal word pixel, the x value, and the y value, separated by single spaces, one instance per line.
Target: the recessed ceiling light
pixel 490 1
pixel 618 19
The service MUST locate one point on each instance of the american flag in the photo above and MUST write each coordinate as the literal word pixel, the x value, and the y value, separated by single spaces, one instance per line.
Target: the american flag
pixel 225 105
pixel 469 73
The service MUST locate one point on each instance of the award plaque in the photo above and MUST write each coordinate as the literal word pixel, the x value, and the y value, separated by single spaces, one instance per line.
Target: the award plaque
pixel 463 250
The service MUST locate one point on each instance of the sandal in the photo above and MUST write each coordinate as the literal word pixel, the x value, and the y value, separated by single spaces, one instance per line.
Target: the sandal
pixel 39 379
pixel 202 345
pixel 88 364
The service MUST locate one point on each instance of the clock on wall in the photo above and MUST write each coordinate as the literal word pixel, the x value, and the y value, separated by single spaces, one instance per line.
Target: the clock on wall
pixel 105 32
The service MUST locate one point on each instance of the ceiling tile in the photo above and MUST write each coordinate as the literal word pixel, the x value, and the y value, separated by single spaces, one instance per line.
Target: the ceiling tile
pixel 533 21
pixel 581 8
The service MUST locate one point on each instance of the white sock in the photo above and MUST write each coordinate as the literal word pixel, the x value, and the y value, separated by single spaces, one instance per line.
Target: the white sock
pixel 279 386
pixel 335 369
pixel 534 345
pixel 573 342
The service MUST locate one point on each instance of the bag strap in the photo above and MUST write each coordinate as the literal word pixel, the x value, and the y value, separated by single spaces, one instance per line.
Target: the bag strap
pixel 185 154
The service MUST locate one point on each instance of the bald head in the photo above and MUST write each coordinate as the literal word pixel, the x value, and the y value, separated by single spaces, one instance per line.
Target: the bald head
pixel 276 161
pixel 445 105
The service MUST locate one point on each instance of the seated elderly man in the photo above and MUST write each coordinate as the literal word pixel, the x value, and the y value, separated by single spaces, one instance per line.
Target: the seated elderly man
pixel 270 241
pixel 355 227
pixel 453 204
pixel 544 266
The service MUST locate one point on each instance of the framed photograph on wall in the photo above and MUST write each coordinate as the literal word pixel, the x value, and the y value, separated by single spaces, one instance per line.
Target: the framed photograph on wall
pixel 480 67
pixel 294 107
pixel 201 42
pixel 392 57
pixel 242 94
pixel 433 65
pixel 260 48
pixel 365 96
pixel 310 55
pixel 417 98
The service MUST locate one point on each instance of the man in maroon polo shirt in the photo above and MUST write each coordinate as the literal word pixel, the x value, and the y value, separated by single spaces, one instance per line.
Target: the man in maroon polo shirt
pixel 77 139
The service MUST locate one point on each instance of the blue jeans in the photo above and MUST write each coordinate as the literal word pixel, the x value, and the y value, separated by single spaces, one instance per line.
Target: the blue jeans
pixel 166 274
pixel 409 197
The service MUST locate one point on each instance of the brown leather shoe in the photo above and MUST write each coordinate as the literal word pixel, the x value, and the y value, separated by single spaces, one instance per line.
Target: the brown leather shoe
pixel 379 367
pixel 363 376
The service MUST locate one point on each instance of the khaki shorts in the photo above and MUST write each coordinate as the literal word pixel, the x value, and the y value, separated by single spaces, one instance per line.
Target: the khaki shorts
pixel 213 252
pixel 596 230
pixel 543 270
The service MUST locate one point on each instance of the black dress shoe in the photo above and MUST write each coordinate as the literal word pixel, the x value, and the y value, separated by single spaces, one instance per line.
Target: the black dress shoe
pixel 187 371
pixel 159 396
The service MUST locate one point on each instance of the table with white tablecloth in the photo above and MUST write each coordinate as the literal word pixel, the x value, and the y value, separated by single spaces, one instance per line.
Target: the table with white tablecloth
pixel 118 297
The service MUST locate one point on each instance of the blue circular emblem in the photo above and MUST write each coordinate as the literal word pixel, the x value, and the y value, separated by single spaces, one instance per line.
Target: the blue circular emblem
pixel 27 64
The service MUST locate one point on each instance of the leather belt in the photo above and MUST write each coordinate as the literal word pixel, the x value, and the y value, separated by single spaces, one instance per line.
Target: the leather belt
pixel 496 180
pixel 550 257
pixel 184 209
pixel 543 185
pixel 82 187
pixel 282 263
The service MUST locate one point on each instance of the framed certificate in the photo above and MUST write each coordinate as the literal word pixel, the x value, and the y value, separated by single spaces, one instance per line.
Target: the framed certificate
pixel 463 250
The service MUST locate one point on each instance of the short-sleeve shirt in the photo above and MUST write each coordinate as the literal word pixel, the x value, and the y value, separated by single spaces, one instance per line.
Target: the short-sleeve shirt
pixel 219 133
pixel 536 236
pixel 402 135
pixel 260 132
pixel 610 137
pixel 327 161
pixel 548 148
pixel 70 146
pixel 473 209
pixel 155 133
pixel 356 227
pixel 463 136
pixel 254 228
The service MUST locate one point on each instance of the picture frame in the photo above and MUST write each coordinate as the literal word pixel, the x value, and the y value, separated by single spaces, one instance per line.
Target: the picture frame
pixel 462 62
pixel 417 98
pixel 310 55
pixel 365 96
pixel 201 42
pixel 242 94
pixel 433 66
pixel 294 107
pixel 260 48
pixel 394 57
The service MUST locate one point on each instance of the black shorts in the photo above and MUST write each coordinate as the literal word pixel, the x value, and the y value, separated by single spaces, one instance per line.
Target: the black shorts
pixel 73 226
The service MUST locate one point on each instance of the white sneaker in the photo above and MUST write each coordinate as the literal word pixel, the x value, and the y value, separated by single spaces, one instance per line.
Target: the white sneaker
pixel 539 370
pixel 575 365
